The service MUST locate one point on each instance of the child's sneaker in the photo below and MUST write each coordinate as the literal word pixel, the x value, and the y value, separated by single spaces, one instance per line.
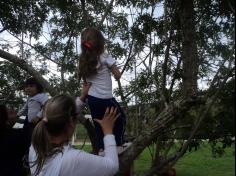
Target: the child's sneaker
pixel 120 149
pixel 123 148
pixel 101 153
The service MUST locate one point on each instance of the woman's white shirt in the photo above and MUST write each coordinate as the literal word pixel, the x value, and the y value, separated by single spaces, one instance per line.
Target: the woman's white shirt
pixel 74 162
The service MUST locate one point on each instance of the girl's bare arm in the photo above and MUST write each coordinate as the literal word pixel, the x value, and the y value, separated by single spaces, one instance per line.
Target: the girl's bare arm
pixel 116 72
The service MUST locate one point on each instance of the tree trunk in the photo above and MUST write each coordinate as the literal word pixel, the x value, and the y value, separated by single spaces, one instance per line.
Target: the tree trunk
pixel 189 55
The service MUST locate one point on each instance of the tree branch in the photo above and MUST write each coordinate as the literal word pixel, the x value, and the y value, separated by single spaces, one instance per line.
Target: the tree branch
pixel 85 14
pixel 35 48
pixel 52 91
pixel 164 119
pixel 105 14
pixel 231 6
pixel 23 65
pixel 174 158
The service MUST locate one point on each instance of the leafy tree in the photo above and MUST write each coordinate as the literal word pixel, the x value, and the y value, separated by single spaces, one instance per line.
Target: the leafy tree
pixel 171 46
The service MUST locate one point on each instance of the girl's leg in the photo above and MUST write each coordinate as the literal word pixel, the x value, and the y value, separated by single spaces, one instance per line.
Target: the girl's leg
pixel 97 109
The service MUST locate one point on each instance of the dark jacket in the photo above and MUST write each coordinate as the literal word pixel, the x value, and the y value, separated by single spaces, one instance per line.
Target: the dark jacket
pixel 14 144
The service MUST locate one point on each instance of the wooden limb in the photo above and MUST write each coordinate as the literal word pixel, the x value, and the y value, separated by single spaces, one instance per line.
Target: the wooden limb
pixel 174 158
pixel 106 13
pixel 91 132
pixel 164 119
pixel 175 76
pixel 121 93
pixel 209 104
pixel 44 55
pixel 164 95
pixel 85 14
pixel 129 58
pixel 28 68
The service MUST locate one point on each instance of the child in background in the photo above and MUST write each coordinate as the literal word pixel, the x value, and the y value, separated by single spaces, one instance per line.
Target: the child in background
pixel 33 106
pixel 95 67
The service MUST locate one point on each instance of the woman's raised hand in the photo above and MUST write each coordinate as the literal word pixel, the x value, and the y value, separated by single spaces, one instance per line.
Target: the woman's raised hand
pixel 108 120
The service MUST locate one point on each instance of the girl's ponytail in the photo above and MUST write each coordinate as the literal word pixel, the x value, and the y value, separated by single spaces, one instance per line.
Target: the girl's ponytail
pixel 57 113
pixel 41 143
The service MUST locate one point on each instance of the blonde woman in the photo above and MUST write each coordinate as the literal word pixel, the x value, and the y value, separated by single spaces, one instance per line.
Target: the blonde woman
pixel 51 153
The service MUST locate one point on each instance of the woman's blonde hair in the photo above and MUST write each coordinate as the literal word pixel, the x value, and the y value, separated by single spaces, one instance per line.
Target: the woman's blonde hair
pixel 57 112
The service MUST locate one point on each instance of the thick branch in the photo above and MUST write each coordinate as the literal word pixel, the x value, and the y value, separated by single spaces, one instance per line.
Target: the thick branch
pixel 175 76
pixel 174 158
pixel 91 132
pixel 164 119
pixel 52 91
pixel 28 68
pixel 165 68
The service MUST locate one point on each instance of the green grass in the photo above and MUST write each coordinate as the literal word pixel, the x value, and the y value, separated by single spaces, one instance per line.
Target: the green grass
pixel 201 163
pixel 197 163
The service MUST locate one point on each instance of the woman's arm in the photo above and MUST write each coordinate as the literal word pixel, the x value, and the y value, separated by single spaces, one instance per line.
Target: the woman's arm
pixel 82 163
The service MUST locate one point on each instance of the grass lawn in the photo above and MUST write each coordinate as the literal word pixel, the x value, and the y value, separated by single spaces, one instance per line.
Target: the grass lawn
pixel 199 163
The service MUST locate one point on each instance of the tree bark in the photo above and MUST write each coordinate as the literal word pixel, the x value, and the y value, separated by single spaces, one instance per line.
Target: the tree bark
pixel 28 68
pixel 162 122
pixel 189 55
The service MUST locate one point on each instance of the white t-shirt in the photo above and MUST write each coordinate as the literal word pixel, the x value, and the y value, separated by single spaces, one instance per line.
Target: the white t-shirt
pixel 74 162
pixel 101 82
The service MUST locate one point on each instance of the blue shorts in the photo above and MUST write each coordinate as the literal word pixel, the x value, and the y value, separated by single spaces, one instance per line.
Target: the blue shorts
pixel 97 108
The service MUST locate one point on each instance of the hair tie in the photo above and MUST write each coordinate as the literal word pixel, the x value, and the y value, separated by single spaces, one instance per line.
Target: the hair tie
pixel 86 44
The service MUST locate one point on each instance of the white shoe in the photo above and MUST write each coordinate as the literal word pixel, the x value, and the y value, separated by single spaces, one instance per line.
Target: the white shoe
pixel 120 149
pixel 101 153
pixel 125 146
